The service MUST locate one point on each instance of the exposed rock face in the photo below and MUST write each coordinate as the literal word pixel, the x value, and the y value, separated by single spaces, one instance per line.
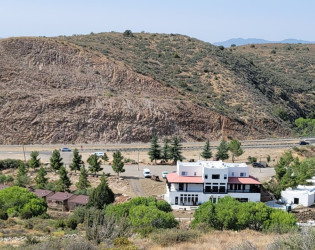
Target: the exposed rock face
pixel 58 93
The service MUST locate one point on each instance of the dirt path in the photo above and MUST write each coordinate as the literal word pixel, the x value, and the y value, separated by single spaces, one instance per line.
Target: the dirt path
pixel 136 186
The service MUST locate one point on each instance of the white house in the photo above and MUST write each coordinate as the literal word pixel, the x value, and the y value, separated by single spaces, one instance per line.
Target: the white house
pixel 196 182
pixel 303 195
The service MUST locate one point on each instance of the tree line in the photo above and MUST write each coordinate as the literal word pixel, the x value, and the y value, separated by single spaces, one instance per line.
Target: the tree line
pixel 174 151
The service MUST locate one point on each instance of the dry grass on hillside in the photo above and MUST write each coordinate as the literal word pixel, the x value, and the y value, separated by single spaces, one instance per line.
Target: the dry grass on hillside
pixel 217 240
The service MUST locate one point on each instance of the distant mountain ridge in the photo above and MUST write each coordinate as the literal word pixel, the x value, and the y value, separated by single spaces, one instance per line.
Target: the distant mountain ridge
pixel 242 41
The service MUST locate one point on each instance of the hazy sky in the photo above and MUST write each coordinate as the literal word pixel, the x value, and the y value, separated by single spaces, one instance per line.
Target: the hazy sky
pixel 208 20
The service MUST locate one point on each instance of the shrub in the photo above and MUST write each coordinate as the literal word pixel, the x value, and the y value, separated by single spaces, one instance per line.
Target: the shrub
pixel 28 224
pixel 60 224
pixel 72 223
pixel 3 215
pixel 234 215
pixel 31 240
pixel 19 201
pixel 122 242
pixel 252 159
pixel 164 206
pixel 9 163
pixel 78 214
pixel 174 236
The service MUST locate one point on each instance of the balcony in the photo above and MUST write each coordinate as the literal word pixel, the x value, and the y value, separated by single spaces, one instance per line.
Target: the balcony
pixel 252 190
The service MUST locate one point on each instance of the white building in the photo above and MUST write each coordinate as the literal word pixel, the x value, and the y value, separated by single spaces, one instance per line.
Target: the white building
pixel 196 182
pixel 303 195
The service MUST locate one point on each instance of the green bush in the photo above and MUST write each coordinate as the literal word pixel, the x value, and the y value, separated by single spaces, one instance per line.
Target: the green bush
pixel 72 223
pixel 3 215
pixel 9 163
pixel 164 206
pixel 78 214
pixel 60 224
pixel 19 201
pixel 234 215
pixel 174 236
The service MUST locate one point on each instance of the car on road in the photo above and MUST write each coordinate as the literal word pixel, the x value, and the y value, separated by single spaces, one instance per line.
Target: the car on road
pixel 146 173
pixel 164 173
pixel 303 143
pixel 99 154
pixel 65 150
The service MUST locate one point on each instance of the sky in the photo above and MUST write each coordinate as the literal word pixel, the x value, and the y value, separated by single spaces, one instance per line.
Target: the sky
pixel 207 20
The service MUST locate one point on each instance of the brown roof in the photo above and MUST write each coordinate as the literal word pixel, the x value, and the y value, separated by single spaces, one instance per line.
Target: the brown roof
pixel 80 199
pixel 2 186
pixel 61 196
pixel 42 192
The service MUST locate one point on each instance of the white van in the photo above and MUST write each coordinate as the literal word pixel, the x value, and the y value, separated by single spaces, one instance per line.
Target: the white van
pixel 146 173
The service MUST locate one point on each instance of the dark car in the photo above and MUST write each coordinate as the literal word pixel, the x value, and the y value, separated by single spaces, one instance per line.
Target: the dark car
pixel 257 165
pixel 65 150
pixel 303 143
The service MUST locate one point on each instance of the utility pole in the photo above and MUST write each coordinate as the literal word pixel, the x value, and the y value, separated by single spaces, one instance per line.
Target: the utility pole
pixel 138 159
pixel 24 153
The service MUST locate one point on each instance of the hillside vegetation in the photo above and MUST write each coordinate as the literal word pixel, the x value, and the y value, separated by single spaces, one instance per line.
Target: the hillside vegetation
pixel 114 87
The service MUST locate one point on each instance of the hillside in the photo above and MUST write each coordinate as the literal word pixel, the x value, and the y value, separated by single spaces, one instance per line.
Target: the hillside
pixel 217 79
pixel 53 92
pixel 111 88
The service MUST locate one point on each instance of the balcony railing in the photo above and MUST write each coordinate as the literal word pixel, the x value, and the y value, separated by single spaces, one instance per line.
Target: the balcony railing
pixel 244 191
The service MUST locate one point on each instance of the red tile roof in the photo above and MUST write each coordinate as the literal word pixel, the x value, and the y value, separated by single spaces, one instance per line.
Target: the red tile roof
pixel 175 178
pixel 42 193
pixel 243 180
pixel 80 199
pixel 60 196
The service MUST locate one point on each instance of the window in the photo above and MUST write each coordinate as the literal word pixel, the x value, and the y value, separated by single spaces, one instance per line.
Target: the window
pixel 208 189
pixel 184 173
pixel 206 176
pixel 215 176
pixel 176 200
pixel 215 189
pixel 225 176
pixel 195 173
pixel 222 189
pixel 243 174
pixel 181 186
pixel 232 173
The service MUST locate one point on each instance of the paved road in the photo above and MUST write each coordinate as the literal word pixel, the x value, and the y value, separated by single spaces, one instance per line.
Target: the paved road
pixel 45 151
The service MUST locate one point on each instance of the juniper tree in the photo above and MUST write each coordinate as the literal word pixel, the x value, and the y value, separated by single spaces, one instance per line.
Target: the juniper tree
pixel 118 164
pixel 155 151
pixel 235 148
pixel 56 160
pixel 166 151
pixel 64 182
pixel 41 179
pixel 94 164
pixel 83 182
pixel 22 179
pixel 175 152
pixel 222 153
pixel 105 157
pixel 76 161
pixel 101 195
pixel 34 162
pixel 206 153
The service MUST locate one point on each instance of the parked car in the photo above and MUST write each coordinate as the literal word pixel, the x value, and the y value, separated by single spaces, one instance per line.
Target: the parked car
pixel 257 165
pixel 303 143
pixel 99 154
pixel 146 173
pixel 65 150
pixel 164 173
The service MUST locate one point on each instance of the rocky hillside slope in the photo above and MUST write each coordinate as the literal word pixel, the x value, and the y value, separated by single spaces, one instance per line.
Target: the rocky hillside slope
pixel 54 91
